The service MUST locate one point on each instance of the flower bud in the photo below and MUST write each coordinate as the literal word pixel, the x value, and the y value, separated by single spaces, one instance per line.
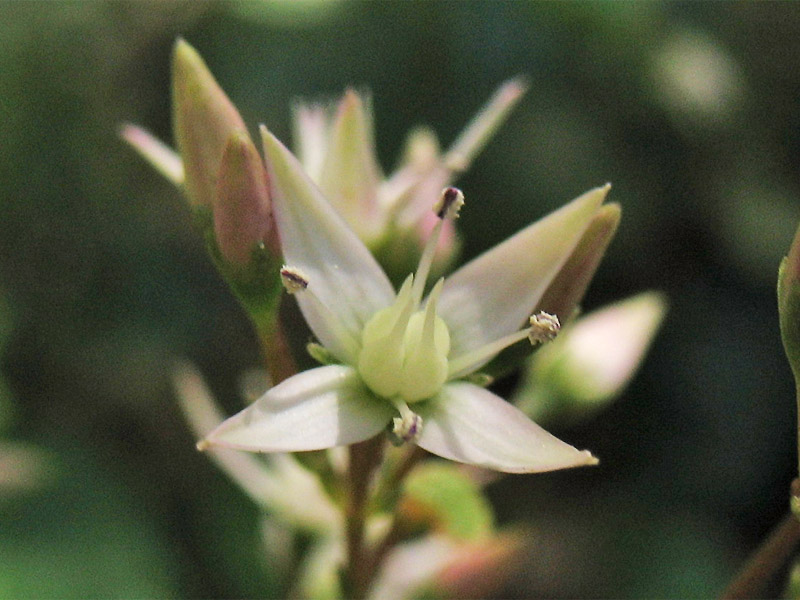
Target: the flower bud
pixel 569 286
pixel 242 210
pixel 789 306
pixel 204 119
pixel 480 570
pixel 350 173
pixel 592 360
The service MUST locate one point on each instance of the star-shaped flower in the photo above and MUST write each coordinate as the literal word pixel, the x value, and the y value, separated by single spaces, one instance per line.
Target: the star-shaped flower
pixel 404 357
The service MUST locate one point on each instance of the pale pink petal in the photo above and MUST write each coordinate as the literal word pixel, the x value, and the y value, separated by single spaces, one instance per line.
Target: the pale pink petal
pixel 494 294
pixel 157 153
pixel 321 408
pixel 469 424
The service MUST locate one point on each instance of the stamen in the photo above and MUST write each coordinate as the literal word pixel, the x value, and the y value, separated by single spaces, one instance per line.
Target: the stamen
pixel 450 202
pixel 293 279
pixel 408 425
pixel 544 327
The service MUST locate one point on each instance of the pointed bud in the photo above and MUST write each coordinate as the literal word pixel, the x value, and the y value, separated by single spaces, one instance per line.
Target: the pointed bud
pixel 480 570
pixel 242 210
pixel 569 286
pixel 789 306
pixel 350 174
pixel 204 119
pixel 591 361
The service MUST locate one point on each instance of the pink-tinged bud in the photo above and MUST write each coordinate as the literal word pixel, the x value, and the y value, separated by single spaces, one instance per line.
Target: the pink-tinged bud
pixel 592 360
pixel 480 570
pixel 204 119
pixel 350 173
pixel 242 209
pixel 569 286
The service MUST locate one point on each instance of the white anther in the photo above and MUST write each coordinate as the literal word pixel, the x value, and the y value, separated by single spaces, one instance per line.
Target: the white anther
pixel 408 427
pixel 544 327
pixel 293 279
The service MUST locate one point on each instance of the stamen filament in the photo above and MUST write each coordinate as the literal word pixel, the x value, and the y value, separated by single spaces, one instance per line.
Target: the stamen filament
pixel 425 262
pixel 409 425
pixel 296 282
pixel 466 363
pixel 450 202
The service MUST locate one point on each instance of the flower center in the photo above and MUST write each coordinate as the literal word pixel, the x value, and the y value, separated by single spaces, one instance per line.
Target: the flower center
pixel 404 349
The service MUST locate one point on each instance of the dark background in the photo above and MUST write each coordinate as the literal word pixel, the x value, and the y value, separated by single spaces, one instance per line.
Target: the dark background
pixel 691 110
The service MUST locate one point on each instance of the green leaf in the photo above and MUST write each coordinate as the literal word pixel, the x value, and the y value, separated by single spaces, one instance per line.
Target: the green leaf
pixel 442 495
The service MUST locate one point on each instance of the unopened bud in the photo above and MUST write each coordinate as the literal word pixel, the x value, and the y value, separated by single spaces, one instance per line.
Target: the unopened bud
pixel 566 291
pixel 789 306
pixel 242 210
pixel 591 361
pixel 204 119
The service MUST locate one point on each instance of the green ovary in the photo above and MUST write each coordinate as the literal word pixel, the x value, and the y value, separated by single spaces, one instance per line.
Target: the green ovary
pixel 405 355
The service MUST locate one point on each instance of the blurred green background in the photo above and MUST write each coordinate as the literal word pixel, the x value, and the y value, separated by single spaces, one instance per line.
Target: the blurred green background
pixel 691 111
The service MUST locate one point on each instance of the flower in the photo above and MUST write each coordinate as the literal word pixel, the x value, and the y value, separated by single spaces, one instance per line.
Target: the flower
pixel 391 214
pixel 403 358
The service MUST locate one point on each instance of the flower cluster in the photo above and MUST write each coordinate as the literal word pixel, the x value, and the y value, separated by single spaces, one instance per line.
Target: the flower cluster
pixel 403 360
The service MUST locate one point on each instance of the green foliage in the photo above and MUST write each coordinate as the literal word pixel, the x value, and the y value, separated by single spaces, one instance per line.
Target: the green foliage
pixel 446 498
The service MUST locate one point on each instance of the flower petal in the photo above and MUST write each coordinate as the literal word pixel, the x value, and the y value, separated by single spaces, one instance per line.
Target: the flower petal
pixel 484 125
pixel 311 137
pixel 316 409
pixel 492 295
pixel 350 174
pixel 469 424
pixel 314 238
pixel 165 160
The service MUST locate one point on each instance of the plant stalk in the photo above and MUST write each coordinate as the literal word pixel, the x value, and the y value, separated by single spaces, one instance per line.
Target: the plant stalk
pixel 762 566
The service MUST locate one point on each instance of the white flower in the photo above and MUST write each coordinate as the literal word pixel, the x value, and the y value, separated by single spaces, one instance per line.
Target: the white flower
pixel 404 356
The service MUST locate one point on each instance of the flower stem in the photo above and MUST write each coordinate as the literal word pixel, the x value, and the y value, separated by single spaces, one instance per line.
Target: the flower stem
pixel 763 564
pixel 364 457
pixel 277 354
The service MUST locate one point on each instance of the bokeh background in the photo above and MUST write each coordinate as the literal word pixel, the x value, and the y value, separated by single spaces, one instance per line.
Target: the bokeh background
pixel 691 110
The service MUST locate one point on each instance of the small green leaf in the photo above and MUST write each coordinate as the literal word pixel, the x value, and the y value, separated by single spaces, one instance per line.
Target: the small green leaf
pixel 449 500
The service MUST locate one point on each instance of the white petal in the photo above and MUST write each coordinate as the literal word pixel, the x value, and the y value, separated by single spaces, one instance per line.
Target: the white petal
pixel 494 294
pixel 314 238
pixel 316 409
pixel 484 125
pixel 311 137
pixel 350 173
pixel 156 152
pixel 469 424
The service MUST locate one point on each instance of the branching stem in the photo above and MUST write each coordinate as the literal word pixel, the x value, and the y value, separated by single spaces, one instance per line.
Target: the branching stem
pixel 760 569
